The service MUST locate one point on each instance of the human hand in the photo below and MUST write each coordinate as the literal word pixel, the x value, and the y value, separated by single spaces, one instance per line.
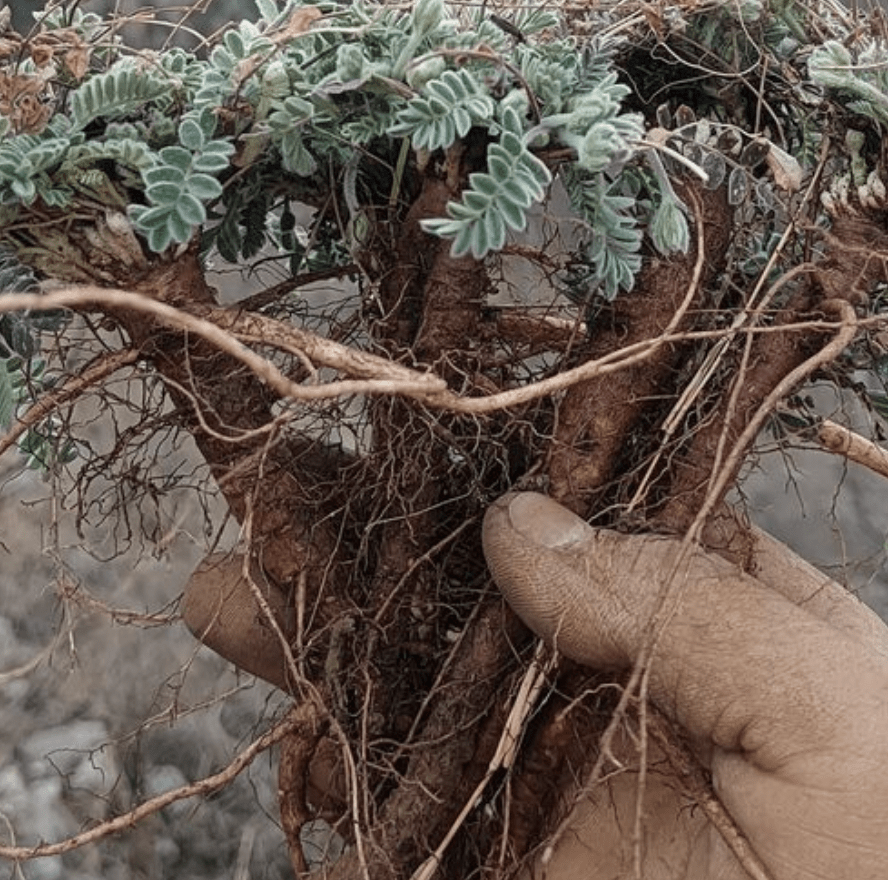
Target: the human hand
pixel 221 609
pixel 782 679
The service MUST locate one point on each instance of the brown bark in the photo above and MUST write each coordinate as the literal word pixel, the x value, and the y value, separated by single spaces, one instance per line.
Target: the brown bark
pixel 297 751
pixel 855 262
pixel 433 304
pixel 447 757
pixel 772 356
pixel 857 257
pixel 597 417
pixel 560 746
pixel 228 410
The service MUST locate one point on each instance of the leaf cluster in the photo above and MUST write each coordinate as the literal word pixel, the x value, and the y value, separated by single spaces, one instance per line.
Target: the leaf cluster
pixel 282 109
pixel 497 199
pixel 180 182
pixel 611 251
pixel 446 111
pixel 861 78
pixel 284 115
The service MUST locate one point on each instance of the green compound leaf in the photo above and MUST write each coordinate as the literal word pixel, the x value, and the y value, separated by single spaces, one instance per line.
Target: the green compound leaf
pixel 596 128
pixel 204 187
pixel 120 90
pixel 178 196
pixel 190 209
pixel 295 156
pixel 612 249
pixel 214 158
pixel 47 154
pixel 669 227
pixel 191 135
pixel 45 447
pixel 287 123
pixel 164 193
pixel 125 151
pixel 164 174
pixel 243 228
pixel 22 371
pixel 451 105
pixel 196 130
pixel 427 15
pixel 863 79
pixel 26 162
pixel 146 219
pixel 497 199
pixel 177 157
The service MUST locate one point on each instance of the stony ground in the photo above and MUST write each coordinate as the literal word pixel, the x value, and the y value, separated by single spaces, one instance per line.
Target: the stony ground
pixel 112 714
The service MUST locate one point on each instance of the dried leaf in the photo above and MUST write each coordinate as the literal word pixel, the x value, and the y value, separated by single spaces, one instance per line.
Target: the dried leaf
pixel 729 142
pixel 77 60
pixel 694 152
pixel 658 135
pixel 764 194
pixel 21 101
pixel 41 54
pixel 684 116
pixel 299 23
pixel 704 131
pixel 654 20
pixel 787 171
pixel 9 47
pixel 716 168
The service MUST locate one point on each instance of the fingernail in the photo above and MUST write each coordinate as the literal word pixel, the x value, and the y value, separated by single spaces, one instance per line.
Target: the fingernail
pixel 546 522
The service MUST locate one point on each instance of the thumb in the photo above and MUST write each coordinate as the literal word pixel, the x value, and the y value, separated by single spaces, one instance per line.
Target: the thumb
pixel 736 663
pixel 221 610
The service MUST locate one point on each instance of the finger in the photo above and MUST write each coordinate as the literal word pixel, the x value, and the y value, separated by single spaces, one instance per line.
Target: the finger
pixel 221 610
pixel 781 569
pixel 736 662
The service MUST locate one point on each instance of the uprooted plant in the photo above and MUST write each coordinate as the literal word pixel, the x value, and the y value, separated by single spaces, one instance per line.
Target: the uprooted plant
pixel 703 186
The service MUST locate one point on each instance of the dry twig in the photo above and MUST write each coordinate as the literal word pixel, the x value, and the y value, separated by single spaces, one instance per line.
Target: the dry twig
pixel 843 441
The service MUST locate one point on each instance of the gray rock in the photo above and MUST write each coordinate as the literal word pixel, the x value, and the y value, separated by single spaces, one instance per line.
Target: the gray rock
pixel 80 750
pixel 77 757
pixel 11 649
pixel 36 813
pixel 162 778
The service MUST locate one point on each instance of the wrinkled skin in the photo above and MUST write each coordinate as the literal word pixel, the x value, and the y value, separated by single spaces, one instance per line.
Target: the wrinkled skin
pixel 781 679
